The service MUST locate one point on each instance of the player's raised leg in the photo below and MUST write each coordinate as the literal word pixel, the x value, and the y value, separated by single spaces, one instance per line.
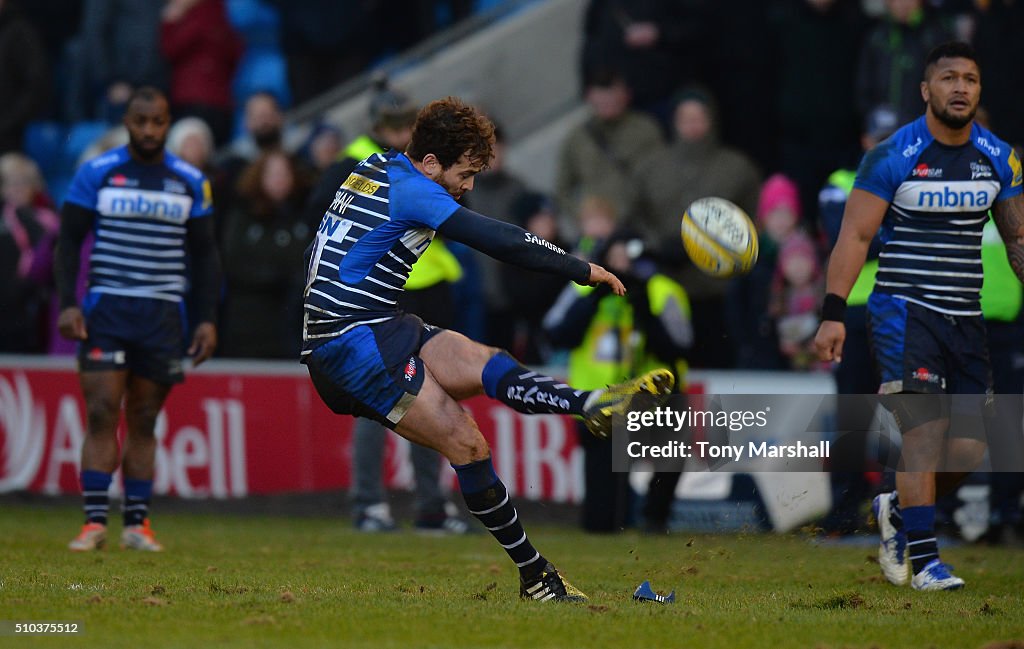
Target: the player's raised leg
pixel 438 421
pixel 465 368
pixel 102 391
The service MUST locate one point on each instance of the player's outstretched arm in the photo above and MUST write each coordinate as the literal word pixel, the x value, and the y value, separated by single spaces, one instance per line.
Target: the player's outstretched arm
pixel 861 220
pixel 1009 218
pixel 75 224
pixel 514 245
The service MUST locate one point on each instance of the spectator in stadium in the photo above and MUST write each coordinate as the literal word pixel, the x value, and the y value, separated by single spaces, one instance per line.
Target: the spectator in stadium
pixel 24 78
pixel 326 42
pixel 27 234
pixel 264 127
pixel 818 122
pixel 927 331
pixel 660 45
pixel 996 37
pixel 856 374
pixel 191 139
pixel 613 337
pixel 117 50
pixel 665 182
pixel 887 64
pixel 366 357
pixel 600 155
pixel 748 316
pixel 597 221
pixel 531 293
pixel 202 52
pixel 129 326
pixel 322 147
pixel 264 237
pixel 796 294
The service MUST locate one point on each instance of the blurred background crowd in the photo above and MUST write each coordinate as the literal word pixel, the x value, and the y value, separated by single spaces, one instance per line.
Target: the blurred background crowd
pixel 772 112
pixel 767 103
pixel 674 118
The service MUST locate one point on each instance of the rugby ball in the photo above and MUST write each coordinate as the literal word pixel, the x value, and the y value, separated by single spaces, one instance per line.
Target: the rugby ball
pixel 719 237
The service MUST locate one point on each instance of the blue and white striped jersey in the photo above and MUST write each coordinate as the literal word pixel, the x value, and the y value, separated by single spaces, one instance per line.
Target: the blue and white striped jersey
pixel 939 198
pixel 382 219
pixel 139 240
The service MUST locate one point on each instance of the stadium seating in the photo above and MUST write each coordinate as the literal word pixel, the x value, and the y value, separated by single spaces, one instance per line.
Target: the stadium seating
pixel 44 143
pixel 80 136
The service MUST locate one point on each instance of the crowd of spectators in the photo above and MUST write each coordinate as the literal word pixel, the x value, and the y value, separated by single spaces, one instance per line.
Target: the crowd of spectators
pixel 686 101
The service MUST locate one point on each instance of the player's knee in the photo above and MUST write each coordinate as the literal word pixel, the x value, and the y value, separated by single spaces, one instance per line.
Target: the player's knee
pixel 465 443
pixel 142 419
pixel 102 413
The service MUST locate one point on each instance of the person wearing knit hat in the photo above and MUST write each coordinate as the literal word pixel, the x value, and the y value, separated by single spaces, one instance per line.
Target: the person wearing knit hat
pixel 778 207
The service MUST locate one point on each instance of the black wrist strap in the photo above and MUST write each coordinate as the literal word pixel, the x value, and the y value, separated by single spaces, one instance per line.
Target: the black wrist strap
pixel 833 308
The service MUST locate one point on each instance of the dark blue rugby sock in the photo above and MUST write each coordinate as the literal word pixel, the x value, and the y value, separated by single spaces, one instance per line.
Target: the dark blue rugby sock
pixel 94 492
pixel 919 525
pixel 488 500
pixel 527 391
pixel 136 500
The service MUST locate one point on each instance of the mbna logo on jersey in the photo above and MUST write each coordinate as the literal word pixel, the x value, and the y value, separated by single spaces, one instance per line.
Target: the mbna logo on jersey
pixel 144 203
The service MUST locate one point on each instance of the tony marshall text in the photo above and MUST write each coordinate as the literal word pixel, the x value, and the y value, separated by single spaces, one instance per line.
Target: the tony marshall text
pixel 735 452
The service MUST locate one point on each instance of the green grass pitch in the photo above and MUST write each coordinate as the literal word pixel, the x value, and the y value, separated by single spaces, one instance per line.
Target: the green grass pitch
pixel 246 581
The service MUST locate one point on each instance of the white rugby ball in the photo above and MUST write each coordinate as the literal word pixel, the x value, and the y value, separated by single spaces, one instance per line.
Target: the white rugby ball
pixel 719 237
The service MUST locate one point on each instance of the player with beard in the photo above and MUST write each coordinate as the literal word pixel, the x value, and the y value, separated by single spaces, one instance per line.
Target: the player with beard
pixel 150 211
pixel 366 357
pixel 929 189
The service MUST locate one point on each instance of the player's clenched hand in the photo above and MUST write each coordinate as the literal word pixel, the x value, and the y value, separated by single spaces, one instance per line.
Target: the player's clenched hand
pixel 71 323
pixel 599 275
pixel 828 343
pixel 204 341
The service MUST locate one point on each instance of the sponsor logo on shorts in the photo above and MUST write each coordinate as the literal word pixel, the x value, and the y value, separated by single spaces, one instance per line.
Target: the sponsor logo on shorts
pixel 98 355
pixel 922 374
pixel 410 369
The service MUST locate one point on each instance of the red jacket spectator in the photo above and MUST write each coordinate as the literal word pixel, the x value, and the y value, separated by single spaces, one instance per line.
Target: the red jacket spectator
pixel 203 50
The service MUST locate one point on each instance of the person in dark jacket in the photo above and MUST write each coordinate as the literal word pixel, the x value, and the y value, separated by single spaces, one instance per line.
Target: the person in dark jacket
pixel 24 79
pixel 264 237
pixel 202 50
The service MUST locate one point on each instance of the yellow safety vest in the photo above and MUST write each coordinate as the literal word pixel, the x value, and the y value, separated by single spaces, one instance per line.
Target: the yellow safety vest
pixel 612 350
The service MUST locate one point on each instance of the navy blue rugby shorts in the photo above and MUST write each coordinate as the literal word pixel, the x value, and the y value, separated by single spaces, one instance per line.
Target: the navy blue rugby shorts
pixel 372 371
pixel 142 335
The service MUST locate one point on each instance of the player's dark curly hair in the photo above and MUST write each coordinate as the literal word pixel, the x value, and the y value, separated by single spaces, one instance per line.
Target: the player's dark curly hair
pixel 949 50
pixel 450 127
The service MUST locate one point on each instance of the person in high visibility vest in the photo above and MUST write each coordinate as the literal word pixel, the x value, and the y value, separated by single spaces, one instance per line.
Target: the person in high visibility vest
pixel 612 337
